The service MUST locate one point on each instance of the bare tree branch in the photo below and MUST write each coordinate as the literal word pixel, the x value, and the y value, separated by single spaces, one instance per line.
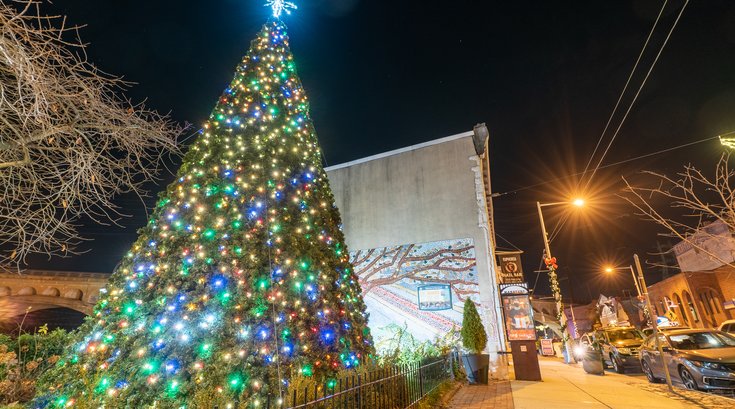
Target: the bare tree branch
pixel 69 143
pixel 702 200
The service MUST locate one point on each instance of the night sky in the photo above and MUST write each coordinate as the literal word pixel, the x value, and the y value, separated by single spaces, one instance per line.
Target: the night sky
pixel 382 75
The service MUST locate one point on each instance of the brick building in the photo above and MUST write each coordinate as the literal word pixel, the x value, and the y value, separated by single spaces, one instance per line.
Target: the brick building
pixel 703 294
pixel 701 299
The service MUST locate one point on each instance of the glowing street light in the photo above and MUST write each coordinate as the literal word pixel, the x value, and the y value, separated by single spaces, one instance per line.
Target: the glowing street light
pixel 551 265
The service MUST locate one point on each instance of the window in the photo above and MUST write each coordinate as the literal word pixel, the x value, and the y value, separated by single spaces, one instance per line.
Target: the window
pixel 713 298
pixel 702 340
pixel 692 308
pixel 681 313
pixel 622 335
pixel 705 306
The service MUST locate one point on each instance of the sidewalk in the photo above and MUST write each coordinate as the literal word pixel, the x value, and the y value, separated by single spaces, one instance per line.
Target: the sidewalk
pixel 569 387
pixel 496 395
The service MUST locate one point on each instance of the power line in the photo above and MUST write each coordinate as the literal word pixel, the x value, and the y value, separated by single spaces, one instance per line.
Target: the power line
pixel 612 164
pixel 625 88
pixel 508 241
pixel 635 98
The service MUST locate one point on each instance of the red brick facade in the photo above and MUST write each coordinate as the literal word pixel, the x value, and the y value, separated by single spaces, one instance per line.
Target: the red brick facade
pixel 698 298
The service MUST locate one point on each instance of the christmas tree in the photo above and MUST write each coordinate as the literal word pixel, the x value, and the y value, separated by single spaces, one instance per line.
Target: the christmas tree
pixel 241 279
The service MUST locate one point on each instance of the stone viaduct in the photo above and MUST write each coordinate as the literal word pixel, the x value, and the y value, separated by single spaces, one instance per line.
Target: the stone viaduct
pixel 43 289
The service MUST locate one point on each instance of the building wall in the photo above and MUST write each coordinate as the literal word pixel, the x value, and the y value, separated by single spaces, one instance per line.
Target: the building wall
pixel 427 193
pixel 726 279
pixel 707 249
pixel 698 295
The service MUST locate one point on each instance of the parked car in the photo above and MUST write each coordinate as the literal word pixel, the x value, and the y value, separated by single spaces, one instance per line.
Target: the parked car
pixel 619 347
pixel 648 331
pixel 698 358
pixel 728 326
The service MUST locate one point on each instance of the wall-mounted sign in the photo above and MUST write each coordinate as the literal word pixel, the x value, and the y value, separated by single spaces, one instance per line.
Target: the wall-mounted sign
pixel 511 270
pixel 435 297
pixel 518 312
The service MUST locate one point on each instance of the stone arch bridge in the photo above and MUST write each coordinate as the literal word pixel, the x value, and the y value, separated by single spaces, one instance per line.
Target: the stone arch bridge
pixel 44 289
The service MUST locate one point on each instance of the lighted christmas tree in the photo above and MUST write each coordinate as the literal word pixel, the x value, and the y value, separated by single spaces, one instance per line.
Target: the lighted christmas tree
pixel 241 278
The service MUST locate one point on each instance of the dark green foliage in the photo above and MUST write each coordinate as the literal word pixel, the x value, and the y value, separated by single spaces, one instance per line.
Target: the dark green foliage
pixel 403 348
pixel 25 358
pixel 473 333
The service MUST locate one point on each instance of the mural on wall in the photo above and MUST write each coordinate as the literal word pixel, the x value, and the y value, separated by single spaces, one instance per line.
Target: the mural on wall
pixel 422 286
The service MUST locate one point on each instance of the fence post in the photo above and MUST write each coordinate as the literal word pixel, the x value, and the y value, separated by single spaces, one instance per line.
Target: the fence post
pixel 421 382
pixel 359 391
pixel 451 366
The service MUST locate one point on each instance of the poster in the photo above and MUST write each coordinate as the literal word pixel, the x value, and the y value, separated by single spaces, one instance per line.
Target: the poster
pixel 519 318
pixel 547 347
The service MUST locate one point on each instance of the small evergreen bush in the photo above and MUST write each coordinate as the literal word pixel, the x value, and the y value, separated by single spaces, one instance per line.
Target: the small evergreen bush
pixel 473 333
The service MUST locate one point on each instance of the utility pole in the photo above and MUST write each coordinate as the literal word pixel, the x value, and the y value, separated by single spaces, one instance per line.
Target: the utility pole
pixel 659 347
pixel 553 280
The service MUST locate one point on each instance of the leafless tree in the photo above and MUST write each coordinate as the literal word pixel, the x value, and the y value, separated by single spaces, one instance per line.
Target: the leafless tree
pixel 69 143
pixel 706 205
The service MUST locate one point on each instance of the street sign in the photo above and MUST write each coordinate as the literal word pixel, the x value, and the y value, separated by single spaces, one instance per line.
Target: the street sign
pixel 547 347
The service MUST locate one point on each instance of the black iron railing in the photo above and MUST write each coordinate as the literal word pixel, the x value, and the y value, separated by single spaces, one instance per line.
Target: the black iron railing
pixel 389 387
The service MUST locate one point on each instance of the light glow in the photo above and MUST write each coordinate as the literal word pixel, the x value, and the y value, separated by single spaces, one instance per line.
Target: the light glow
pixel 280 6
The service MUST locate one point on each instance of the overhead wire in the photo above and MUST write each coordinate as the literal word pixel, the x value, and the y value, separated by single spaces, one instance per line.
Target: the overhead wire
pixel 613 164
pixel 507 241
pixel 640 88
pixel 558 227
pixel 625 87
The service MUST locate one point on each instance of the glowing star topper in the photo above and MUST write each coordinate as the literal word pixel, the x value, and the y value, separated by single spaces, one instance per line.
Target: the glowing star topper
pixel 280 6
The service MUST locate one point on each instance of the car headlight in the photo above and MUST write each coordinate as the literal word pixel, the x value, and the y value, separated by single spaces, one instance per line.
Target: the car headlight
pixel 709 365
pixel 623 351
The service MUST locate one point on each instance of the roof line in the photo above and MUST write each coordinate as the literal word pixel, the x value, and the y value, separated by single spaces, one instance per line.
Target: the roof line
pixel 401 150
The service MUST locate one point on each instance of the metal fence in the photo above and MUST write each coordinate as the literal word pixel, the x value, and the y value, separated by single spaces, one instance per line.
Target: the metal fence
pixel 389 387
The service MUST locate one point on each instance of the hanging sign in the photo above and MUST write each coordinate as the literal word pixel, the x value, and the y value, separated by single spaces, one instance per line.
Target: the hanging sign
pixel 511 270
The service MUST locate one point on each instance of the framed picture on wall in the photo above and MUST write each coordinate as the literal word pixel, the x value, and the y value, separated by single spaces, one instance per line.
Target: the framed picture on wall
pixel 435 297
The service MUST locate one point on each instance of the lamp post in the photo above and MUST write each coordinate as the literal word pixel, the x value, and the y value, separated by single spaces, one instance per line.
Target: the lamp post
pixel 638 284
pixel 651 313
pixel 553 279
pixel 610 270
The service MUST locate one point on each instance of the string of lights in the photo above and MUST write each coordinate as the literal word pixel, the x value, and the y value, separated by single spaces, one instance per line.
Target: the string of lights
pixel 241 279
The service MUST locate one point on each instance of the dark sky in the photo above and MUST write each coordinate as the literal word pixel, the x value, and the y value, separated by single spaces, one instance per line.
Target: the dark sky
pixel 382 75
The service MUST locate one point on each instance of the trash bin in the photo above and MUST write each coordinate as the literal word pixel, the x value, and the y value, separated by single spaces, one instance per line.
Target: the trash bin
pixel 592 362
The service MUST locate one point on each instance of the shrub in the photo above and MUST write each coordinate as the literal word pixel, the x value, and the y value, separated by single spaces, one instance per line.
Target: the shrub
pixel 24 359
pixel 473 333
pixel 403 348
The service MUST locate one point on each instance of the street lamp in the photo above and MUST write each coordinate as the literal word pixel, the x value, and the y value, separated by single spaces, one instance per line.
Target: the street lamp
pixel 551 265
pixel 611 270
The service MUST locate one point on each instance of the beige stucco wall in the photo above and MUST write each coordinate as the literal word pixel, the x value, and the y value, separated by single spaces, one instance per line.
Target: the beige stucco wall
pixel 415 196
